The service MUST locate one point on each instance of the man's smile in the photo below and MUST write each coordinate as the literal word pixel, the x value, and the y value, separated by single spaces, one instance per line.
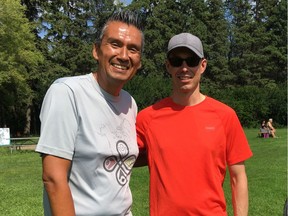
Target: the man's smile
pixel 119 66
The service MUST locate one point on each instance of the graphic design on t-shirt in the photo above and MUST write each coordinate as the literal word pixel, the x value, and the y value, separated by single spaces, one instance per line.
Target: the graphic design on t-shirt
pixel 121 163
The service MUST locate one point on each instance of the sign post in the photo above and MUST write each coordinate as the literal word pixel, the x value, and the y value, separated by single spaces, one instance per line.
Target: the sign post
pixel 4 136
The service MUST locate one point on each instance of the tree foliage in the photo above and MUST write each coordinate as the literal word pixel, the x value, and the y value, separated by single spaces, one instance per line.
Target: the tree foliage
pixel 19 58
pixel 244 41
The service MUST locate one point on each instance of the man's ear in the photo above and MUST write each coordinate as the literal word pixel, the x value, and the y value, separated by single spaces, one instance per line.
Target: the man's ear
pixel 140 65
pixel 95 51
pixel 203 65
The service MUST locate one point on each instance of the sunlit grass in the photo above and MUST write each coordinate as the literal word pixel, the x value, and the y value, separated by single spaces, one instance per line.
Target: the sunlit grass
pixel 21 185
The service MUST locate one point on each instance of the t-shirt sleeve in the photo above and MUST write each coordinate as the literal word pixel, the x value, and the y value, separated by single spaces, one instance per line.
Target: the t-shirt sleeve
pixel 238 148
pixel 59 122
pixel 141 129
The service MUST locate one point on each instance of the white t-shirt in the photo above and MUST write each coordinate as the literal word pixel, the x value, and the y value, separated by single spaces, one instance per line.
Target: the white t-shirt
pixel 96 131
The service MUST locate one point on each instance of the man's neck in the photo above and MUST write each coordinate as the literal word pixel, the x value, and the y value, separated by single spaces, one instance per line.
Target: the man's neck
pixel 188 99
pixel 112 88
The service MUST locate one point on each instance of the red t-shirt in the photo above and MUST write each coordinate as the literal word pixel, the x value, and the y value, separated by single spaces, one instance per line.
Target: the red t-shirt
pixel 188 148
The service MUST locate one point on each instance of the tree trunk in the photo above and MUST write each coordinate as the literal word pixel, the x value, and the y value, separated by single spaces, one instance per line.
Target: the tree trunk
pixel 28 122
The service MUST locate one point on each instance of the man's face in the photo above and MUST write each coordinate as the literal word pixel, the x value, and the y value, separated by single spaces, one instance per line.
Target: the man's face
pixel 185 78
pixel 118 55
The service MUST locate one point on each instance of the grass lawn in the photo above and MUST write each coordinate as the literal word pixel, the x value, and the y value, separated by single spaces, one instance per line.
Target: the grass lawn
pixel 20 183
pixel 21 186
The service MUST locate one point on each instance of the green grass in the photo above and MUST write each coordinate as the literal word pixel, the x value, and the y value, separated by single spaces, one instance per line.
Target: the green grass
pixel 267 174
pixel 21 186
pixel 20 183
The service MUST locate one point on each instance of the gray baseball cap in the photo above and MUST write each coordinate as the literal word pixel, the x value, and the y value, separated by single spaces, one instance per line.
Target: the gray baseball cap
pixel 186 40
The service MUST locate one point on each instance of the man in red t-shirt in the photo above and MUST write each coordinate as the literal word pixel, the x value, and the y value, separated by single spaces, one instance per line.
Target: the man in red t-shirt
pixel 189 139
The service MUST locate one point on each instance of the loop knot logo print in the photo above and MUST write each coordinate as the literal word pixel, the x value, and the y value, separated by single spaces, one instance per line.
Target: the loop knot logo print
pixel 122 164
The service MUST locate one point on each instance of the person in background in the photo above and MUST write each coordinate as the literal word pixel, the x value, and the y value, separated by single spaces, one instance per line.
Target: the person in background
pixel 189 139
pixel 88 135
pixel 263 124
pixel 271 129
pixel 264 132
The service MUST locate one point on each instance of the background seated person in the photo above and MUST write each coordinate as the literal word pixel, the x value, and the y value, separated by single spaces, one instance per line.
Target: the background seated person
pixel 272 130
pixel 264 132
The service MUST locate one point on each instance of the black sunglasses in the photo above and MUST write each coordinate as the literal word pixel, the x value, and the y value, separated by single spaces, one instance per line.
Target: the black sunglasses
pixel 190 61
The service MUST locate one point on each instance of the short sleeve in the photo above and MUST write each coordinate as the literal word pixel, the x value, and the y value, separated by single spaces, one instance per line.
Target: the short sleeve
pixel 238 148
pixel 59 122
pixel 141 129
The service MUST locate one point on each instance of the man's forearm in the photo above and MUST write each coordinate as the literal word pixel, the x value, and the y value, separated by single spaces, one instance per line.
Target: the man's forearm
pixel 239 187
pixel 60 199
pixel 240 201
pixel 55 172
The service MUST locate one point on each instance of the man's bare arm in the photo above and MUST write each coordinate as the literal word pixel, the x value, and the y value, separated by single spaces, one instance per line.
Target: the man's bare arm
pixel 55 179
pixel 239 187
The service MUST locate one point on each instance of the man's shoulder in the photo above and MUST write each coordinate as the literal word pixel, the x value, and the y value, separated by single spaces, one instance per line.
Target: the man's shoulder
pixel 73 83
pixel 72 80
pixel 156 106
pixel 219 105
pixel 149 112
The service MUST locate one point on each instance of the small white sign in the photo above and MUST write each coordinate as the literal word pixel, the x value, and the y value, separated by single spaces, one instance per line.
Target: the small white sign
pixel 4 136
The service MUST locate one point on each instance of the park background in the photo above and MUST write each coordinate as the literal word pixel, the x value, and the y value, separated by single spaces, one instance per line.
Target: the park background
pixel 245 42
